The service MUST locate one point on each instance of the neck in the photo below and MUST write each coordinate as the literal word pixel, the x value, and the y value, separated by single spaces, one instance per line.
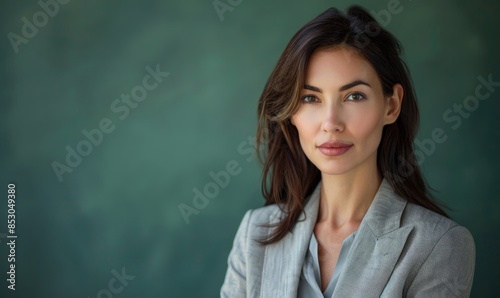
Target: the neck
pixel 345 199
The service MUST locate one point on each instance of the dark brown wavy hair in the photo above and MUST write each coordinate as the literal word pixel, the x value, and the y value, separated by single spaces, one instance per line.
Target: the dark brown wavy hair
pixel 288 176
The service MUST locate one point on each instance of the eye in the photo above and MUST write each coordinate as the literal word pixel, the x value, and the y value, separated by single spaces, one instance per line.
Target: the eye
pixel 356 96
pixel 309 99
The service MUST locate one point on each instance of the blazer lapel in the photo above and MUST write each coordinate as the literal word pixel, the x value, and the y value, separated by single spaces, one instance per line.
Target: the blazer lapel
pixel 283 260
pixel 376 248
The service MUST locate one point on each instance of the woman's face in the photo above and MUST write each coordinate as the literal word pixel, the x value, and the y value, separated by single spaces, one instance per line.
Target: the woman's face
pixel 343 111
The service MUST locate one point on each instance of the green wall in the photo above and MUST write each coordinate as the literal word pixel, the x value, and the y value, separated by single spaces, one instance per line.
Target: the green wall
pixel 118 207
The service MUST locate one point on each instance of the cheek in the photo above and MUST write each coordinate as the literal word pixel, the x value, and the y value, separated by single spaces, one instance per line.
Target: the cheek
pixel 307 124
pixel 368 127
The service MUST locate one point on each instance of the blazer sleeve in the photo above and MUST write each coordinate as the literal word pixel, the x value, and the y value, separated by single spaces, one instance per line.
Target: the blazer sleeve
pixel 448 271
pixel 234 285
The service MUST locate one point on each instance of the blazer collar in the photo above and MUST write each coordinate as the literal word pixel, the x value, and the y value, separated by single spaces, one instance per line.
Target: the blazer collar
pixel 284 260
pixel 384 214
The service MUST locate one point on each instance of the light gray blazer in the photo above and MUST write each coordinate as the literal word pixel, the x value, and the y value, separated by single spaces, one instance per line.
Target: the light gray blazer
pixel 400 250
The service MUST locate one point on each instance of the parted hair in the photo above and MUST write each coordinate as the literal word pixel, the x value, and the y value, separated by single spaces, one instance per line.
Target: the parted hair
pixel 288 177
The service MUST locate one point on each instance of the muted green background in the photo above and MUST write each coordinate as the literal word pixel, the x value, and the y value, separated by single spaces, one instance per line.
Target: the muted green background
pixel 119 207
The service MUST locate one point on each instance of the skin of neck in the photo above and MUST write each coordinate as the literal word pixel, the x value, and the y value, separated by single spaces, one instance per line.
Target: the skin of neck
pixel 345 198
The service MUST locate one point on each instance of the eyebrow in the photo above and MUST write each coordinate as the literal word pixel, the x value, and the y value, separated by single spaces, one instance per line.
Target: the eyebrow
pixel 343 88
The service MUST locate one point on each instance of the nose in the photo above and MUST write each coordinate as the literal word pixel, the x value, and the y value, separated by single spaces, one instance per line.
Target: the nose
pixel 332 121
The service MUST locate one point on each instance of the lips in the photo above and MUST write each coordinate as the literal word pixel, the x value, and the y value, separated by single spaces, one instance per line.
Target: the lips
pixel 334 148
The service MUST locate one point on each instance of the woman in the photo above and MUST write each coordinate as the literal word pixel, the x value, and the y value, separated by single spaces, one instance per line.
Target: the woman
pixel 347 210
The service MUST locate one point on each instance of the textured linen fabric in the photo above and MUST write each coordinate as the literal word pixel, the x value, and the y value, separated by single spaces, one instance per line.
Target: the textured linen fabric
pixel 400 250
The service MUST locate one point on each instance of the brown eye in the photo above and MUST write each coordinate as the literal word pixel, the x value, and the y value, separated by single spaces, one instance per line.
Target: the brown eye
pixel 356 96
pixel 309 99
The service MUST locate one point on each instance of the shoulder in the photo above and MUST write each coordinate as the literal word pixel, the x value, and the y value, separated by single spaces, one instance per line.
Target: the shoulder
pixel 439 244
pixel 256 222
pixel 265 215
pixel 245 260
pixel 429 226
pixel 444 253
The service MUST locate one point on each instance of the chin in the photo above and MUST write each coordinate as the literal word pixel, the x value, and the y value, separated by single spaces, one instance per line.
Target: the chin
pixel 333 172
pixel 334 169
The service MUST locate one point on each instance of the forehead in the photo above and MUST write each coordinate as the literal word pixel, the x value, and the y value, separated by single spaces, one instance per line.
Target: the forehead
pixel 338 66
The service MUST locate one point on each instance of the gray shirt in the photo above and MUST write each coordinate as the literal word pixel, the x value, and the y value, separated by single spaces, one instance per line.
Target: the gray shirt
pixel 310 278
